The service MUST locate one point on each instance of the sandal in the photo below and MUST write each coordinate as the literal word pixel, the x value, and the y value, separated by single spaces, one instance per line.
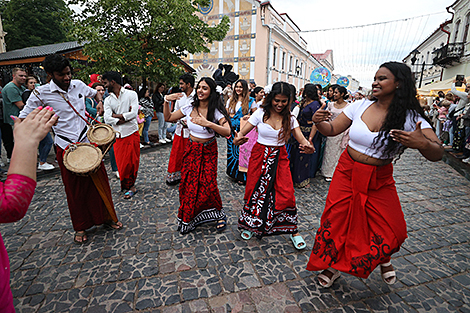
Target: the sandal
pixel 298 241
pixel 246 234
pixel 389 277
pixel 328 281
pixel 112 225
pixel 221 224
pixel 80 234
pixel 129 194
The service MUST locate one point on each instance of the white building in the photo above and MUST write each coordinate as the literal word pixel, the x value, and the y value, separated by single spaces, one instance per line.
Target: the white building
pixel 420 60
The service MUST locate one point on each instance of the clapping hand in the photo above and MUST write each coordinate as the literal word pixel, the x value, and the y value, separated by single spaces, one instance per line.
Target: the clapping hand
pixel 321 115
pixel 239 139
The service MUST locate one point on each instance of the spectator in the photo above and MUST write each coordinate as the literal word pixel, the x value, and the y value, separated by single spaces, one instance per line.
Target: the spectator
pixel 157 98
pixel 146 106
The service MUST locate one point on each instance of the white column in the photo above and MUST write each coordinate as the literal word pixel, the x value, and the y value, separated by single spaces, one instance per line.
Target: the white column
pixel 253 44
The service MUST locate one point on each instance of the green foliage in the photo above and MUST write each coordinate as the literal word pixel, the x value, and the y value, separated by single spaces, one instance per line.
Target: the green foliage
pixel 31 23
pixel 143 38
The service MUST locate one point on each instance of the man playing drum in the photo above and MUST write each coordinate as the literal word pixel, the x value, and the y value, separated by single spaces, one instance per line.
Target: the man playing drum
pixel 89 197
pixel 121 108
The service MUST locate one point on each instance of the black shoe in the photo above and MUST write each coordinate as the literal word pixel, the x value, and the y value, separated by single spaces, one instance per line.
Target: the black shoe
pixel 462 156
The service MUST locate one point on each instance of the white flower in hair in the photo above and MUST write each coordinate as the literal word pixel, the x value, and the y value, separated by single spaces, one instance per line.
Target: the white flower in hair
pixel 268 88
pixel 218 89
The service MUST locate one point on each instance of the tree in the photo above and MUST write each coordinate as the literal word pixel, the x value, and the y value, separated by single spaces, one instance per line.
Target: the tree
pixel 143 38
pixel 31 23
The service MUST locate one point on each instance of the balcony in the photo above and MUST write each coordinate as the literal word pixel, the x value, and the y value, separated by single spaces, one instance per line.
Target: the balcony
pixel 449 54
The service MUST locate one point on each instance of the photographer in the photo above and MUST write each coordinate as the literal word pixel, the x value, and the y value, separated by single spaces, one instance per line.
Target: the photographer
pixel 460 131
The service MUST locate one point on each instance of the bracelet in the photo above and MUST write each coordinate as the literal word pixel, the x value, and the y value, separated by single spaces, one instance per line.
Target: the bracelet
pixel 165 99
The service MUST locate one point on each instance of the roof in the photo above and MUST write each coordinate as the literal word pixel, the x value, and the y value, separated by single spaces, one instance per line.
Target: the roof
pixel 322 56
pixel 40 51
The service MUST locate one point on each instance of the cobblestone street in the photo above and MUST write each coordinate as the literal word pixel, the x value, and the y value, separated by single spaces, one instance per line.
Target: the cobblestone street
pixel 149 267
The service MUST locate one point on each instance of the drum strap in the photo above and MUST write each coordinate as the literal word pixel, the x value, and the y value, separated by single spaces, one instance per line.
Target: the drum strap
pixel 79 137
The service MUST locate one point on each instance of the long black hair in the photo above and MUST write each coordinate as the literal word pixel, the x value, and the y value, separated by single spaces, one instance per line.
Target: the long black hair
pixel 215 103
pixel 404 102
pixel 311 93
pixel 279 88
pixel 342 90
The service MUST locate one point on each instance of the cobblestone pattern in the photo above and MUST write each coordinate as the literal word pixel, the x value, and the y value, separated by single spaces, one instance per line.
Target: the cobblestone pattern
pixel 149 267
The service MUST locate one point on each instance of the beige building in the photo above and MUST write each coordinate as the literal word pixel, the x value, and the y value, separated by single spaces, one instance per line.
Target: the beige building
pixel 262 45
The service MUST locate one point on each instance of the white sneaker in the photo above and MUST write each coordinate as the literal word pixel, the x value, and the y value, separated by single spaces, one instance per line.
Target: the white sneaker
pixel 46 167
pixel 117 174
pixel 141 146
pixel 467 160
pixel 2 164
pixel 162 141
pixel 168 140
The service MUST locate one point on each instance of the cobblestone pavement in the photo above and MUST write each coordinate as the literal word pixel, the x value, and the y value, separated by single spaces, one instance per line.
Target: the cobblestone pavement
pixel 148 266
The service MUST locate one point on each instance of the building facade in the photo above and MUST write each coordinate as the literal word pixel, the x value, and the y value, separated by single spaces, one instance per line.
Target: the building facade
pixel 262 45
pixel 454 56
pixel 420 60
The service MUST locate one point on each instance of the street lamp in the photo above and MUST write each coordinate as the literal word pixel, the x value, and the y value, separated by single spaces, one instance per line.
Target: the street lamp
pixel 413 60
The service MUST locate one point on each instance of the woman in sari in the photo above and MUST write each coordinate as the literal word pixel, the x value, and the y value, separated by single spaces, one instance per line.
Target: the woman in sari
pixel 237 106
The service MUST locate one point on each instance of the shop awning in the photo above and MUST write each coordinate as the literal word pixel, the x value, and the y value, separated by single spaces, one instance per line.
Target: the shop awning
pixel 433 88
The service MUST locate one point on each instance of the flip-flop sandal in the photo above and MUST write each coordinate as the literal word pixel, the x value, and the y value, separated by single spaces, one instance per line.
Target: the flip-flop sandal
pixel 129 194
pixel 389 277
pixel 246 234
pixel 109 225
pixel 80 234
pixel 328 281
pixel 221 225
pixel 298 242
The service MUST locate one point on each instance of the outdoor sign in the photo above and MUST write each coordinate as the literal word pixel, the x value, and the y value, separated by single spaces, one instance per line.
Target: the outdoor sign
pixel 343 81
pixel 320 75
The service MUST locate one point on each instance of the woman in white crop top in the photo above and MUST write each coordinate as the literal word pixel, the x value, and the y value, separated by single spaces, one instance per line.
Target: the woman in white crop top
pixel 363 224
pixel 269 194
pixel 200 200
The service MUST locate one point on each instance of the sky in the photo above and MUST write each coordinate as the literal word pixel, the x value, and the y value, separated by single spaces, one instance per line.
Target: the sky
pixel 359 51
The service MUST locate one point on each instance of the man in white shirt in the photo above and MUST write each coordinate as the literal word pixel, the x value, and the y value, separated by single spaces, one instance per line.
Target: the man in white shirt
pixel 182 132
pixel 121 108
pixel 89 197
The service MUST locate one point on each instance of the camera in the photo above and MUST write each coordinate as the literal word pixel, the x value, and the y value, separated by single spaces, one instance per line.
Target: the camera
pixel 459 80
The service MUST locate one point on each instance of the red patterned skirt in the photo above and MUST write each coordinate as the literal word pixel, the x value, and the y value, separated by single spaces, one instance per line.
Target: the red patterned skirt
pixel 363 224
pixel 200 200
pixel 127 153
pixel 176 160
pixel 269 194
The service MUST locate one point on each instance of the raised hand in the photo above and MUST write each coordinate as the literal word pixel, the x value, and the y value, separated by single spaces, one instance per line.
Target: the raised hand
pixel 239 139
pixel 414 139
pixel 321 114
pixel 174 96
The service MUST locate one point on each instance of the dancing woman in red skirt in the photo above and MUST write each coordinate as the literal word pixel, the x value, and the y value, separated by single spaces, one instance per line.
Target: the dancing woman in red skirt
pixel 269 194
pixel 363 224
pixel 200 200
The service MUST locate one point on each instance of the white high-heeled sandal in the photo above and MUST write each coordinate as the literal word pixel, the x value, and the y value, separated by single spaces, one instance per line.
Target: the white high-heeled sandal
pixel 389 274
pixel 329 281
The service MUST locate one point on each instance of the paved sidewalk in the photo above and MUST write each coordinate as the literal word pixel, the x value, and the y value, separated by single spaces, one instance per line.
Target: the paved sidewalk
pixel 149 267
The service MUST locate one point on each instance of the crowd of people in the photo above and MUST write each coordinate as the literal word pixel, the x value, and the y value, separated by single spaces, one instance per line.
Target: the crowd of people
pixel 277 139
pixel 450 116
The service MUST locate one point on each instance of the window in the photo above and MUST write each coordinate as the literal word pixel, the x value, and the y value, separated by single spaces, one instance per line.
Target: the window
pixel 456 34
pixel 301 68
pixel 283 60
pixel 274 56
pixel 290 63
pixel 465 30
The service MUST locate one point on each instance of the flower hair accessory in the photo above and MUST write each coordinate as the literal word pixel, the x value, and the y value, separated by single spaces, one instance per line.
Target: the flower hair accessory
pixel 218 89
pixel 268 88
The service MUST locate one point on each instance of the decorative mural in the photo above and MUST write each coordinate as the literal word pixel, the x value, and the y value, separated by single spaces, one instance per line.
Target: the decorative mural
pixel 235 49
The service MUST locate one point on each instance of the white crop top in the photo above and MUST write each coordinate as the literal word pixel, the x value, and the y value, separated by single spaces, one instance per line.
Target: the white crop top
pixel 196 130
pixel 267 135
pixel 361 138
pixel 237 107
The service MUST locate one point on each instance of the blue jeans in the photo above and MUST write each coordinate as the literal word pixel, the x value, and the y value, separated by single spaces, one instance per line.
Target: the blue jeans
pixel 45 147
pixel 161 126
pixel 145 130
